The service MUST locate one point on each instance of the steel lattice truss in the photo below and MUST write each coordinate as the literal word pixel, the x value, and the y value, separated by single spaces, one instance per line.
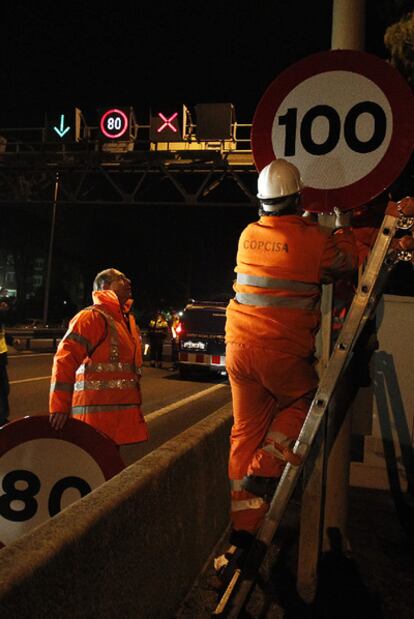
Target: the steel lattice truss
pixel 204 178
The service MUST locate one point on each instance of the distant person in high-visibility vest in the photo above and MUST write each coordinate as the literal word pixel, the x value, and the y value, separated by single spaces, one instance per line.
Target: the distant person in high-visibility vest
pixel 157 332
pixel 271 323
pixel 175 321
pixel 97 366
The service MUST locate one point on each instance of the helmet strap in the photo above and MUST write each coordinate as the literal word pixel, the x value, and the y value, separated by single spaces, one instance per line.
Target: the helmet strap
pixel 280 206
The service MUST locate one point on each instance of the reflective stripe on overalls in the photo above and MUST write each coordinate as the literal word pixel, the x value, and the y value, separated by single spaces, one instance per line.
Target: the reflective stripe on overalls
pixel 305 302
pixel 237 504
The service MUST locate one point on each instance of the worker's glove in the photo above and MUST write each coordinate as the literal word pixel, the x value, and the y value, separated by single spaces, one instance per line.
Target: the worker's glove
pixel 309 216
pixel 342 219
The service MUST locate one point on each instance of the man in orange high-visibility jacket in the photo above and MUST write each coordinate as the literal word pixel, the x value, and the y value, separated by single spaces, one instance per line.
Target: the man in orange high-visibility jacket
pixel 282 260
pixel 97 367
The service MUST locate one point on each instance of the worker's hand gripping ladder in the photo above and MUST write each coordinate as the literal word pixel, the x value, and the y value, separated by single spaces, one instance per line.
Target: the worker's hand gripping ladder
pixel 387 251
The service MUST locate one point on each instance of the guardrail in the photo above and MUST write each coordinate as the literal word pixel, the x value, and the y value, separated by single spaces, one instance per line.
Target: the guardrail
pixel 23 338
pixel 29 339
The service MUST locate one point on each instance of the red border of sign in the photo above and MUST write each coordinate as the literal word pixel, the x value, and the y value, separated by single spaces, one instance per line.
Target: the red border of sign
pixel 116 135
pixel 100 447
pixel 401 144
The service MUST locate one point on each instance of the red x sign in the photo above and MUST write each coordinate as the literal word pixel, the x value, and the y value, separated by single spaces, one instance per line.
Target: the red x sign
pixel 167 122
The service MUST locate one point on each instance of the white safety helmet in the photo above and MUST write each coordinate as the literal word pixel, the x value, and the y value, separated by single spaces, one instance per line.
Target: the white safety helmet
pixel 279 179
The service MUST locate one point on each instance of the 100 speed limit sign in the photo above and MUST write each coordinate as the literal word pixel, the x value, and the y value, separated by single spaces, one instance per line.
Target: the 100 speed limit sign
pixel 344 118
pixel 42 470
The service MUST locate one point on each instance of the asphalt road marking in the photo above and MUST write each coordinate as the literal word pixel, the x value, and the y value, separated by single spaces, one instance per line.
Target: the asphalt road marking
pixel 150 416
pixel 190 398
pixel 29 380
pixel 31 355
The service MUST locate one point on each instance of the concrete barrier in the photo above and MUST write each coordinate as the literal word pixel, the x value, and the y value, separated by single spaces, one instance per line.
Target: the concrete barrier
pixel 134 546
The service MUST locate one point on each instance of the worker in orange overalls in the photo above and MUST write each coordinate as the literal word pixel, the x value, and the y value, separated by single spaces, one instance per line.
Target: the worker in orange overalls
pixel 97 367
pixel 282 260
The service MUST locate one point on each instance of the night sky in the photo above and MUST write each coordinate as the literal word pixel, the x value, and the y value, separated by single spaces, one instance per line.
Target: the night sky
pixel 141 53
pixel 80 54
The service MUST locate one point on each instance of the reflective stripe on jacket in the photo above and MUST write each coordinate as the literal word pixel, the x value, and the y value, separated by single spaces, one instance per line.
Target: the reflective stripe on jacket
pixel 96 371
pixel 281 264
pixel 159 326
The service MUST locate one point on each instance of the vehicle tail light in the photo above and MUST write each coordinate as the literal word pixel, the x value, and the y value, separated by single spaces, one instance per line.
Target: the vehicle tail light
pixel 180 331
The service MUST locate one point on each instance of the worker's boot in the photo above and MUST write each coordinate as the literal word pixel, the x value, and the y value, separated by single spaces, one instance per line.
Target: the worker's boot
pixel 264 487
pixel 226 564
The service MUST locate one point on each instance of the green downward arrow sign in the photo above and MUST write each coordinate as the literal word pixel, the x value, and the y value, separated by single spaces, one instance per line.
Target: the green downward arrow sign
pixel 62 130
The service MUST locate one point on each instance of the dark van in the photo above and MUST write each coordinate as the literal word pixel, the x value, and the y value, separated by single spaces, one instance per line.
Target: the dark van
pixel 200 338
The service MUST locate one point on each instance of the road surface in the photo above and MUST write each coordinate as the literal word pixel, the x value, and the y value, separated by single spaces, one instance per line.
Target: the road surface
pixel 170 404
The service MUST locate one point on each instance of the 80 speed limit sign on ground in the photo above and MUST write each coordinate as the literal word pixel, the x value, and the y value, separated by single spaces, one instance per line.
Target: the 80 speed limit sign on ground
pixel 344 118
pixel 42 471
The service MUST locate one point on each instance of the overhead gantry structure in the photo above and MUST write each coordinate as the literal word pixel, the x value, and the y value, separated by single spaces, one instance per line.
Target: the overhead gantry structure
pixel 135 171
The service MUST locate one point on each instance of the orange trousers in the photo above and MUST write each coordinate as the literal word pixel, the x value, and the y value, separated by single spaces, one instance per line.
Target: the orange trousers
pixel 271 394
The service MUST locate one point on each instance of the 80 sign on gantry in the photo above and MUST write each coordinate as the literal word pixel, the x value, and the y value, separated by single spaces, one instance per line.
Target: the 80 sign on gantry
pixel 116 123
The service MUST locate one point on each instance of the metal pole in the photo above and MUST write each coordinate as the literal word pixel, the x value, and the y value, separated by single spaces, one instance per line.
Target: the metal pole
pixel 325 496
pixel 348 24
pixel 348 32
pixel 49 258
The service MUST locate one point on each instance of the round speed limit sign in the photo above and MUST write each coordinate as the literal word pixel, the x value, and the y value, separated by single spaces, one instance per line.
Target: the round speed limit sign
pixel 344 118
pixel 114 123
pixel 43 470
